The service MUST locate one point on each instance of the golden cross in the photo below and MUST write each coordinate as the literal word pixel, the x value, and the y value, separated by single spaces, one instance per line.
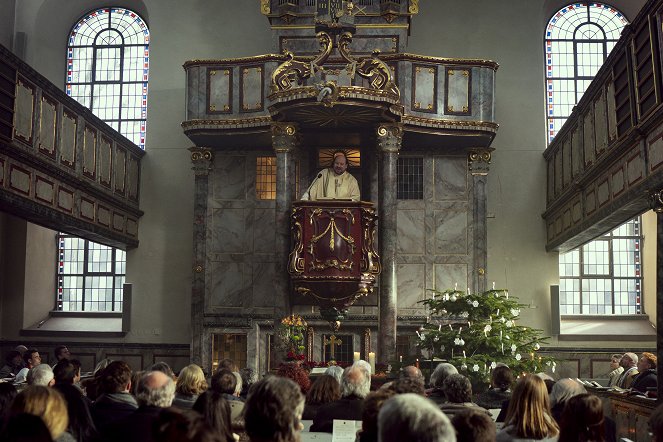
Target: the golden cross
pixel 332 341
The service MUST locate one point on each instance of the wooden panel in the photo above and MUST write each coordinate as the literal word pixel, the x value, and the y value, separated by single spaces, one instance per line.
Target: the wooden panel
pixel 68 139
pixel 90 152
pixel 576 211
pixel 2 171
pixel 65 199
pixel 135 361
pixel 577 157
pixel 643 65
pixel 558 172
pixel 611 111
pixel 618 182
pixel 620 73
pixel 634 168
pixel 87 208
pixel 24 111
pixel 105 161
pixel 20 179
pixel 118 222
pixel 120 168
pixel 424 88
pixel 219 90
pixel 566 161
pixel 44 189
pixel 251 88
pixel 588 138
pixel 458 91
pixel 655 151
pixel 590 201
pixel 603 192
pixel 103 215
pixel 132 227
pixel 600 124
pixel 133 171
pixel 175 362
pixel 47 126
pixel 7 99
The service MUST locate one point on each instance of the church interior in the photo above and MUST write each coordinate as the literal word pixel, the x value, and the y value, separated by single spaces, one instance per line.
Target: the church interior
pixel 454 129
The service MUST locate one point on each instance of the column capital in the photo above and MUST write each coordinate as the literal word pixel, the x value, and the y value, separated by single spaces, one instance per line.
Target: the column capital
pixel 202 159
pixel 390 136
pixel 285 137
pixel 479 161
pixel 656 200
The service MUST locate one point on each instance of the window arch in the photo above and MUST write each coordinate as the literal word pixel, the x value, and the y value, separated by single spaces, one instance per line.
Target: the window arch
pixel 107 69
pixel 578 39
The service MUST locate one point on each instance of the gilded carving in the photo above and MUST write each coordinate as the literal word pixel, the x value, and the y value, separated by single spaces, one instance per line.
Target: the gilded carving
pixel 479 161
pixel 296 71
pixel 284 137
pixel 656 201
pixel 202 158
pixel 265 7
pixel 413 8
pixel 347 243
pixel 390 137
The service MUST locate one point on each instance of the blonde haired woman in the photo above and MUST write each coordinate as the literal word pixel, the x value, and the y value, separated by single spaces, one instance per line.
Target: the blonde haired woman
pixel 190 383
pixel 528 417
pixel 48 404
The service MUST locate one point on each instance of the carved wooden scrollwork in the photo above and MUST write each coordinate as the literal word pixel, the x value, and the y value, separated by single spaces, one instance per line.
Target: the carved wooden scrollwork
pixel 294 71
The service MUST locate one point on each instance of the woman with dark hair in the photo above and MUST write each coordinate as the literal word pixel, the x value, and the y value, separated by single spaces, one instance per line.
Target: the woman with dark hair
pixel 500 388
pixel 325 389
pixel 216 412
pixel 7 394
pixel 175 425
pixel 81 425
pixel 582 420
pixel 274 410
pixel 528 416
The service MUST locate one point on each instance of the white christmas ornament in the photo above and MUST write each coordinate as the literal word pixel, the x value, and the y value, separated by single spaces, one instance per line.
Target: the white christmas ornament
pixel 493 365
pixel 537 346
pixel 453 298
pixel 518 357
pixel 463 367
pixel 513 347
pixel 475 367
pixel 475 304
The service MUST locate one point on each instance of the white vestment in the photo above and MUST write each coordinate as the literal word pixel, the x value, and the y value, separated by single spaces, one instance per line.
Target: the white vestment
pixel 328 185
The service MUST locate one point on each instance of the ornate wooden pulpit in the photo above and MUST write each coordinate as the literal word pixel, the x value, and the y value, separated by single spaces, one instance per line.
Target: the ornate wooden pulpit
pixel 333 261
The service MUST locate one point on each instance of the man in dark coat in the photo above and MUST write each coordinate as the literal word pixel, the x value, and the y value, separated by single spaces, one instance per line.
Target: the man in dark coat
pixel 115 401
pixel 648 376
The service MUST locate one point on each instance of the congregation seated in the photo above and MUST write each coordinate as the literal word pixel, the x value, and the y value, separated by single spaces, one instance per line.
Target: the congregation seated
pixel 336 371
pixel 528 416
pixel 31 358
pixel 190 384
pixel 412 372
pixel 81 425
pixel 441 372
pixel 164 368
pixel 48 404
pixel 616 370
pixel 13 364
pixel 647 376
pixel 458 391
pixel 274 409
pixel 562 391
pixel 42 375
pixel 114 401
pixel 176 425
pixel 406 385
pixel 355 386
pixel 25 427
pixel 582 419
pixel 369 416
pixel 324 390
pixel 472 425
pixel 249 377
pixel 629 362
pixel 410 417
pixel 501 379
pixel 7 394
pixel 215 410
pixel 224 382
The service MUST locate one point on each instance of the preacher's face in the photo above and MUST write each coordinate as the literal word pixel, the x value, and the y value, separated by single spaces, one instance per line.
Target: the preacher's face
pixel 340 164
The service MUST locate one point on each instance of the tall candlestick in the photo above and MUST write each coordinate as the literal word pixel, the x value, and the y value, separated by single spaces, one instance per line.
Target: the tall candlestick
pixel 371 360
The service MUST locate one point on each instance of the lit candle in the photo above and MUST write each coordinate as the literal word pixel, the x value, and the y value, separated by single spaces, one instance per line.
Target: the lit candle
pixel 371 360
pixel 439 328
pixel 451 328
pixel 417 363
pixel 493 285
pixel 464 357
pixel 455 286
pixel 400 358
pixel 468 291
pixel 355 357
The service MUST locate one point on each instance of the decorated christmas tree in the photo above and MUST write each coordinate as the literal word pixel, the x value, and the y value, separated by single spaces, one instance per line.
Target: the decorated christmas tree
pixel 476 332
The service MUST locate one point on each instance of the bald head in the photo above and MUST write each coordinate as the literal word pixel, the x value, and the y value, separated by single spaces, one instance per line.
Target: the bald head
pixel 155 388
pixel 412 372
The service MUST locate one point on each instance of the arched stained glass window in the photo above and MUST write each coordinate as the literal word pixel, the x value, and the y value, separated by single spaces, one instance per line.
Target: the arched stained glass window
pixel 107 69
pixel 578 39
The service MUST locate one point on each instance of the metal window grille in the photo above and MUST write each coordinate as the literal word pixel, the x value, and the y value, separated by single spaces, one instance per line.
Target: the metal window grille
pixel 343 352
pixel 228 346
pixel 410 178
pixel 266 178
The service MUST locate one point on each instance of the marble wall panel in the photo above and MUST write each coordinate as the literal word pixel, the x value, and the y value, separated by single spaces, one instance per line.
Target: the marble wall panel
pixel 424 88
pixel 599 368
pixel 600 123
pixel 227 230
pixel 577 151
pixel 448 275
pixel 220 83
pixel 450 174
pixel 47 120
pixel 24 110
pixel 263 284
pixel 411 285
pixel 227 285
pixel 612 110
pixel 588 138
pixel 89 152
pixel 410 231
pixel 451 230
pixel 87 211
pixel 20 179
pixel 44 189
pixel 458 91
pixel 68 139
pixel 264 232
pixel 230 178
pixel 569 368
pixel 252 88
pixel 105 149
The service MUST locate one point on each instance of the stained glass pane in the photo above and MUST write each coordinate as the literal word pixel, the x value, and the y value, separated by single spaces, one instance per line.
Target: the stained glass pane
pixel 578 39
pixel 108 66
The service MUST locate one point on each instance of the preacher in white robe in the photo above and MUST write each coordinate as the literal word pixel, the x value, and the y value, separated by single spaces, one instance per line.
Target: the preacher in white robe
pixel 329 185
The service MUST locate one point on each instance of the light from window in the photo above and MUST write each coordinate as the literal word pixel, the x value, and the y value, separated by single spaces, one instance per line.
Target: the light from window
pixel 266 178
pixel 579 38
pixel 410 178
pixel 228 346
pixel 107 69
pixel 604 276
pixel 326 157
pixel 90 276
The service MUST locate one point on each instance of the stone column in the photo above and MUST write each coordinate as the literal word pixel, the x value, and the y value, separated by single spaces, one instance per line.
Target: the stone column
pixel 656 203
pixel 284 141
pixel 202 159
pixel 389 137
pixel 479 161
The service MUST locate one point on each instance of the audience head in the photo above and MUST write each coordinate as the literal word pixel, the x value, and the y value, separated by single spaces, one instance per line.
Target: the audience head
pixel 14 359
pixel 411 417
pixel 228 364
pixel 31 358
pixel 355 382
pixel 191 380
pixel 336 371
pixel 407 385
pixel 224 381
pixel 46 403
pixel 297 373
pixel 66 371
pixel 238 384
pixel 647 361
pixel 62 352
pixel 249 377
pixel 501 377
pixel 565 389
pixel 273 410
pixel 582 420
pixel 440 374
pixel 369 416
pixel 163 368
pixel 216 411
pixel 614 361
pixel 102 364
pixel 457 388
pixel 656 424
pixel 364 364
pixel 25 427
pixel 42 375
pixel 412 372
pixel 474 426
pixel 115 378
pixel 155 389
pixel 325 389
pixel 21 349
pixel 174 425
pixel 529 409
pixel 7 394
pixel 628 360
pixel 81 425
